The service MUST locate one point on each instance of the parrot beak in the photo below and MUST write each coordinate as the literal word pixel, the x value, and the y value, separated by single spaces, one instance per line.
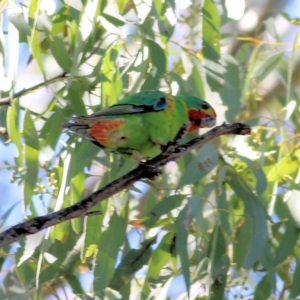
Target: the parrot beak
pixel 208 121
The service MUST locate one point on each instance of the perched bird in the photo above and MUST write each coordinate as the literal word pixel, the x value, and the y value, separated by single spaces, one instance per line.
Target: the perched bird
pixel 139 125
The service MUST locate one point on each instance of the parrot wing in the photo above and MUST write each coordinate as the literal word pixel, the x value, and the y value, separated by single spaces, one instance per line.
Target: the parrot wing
pixel 147 101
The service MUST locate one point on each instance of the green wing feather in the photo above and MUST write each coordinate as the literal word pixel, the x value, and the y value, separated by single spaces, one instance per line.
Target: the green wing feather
pixel 147 101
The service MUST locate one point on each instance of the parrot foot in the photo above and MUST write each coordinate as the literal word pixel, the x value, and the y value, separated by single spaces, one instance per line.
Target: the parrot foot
pixel 172 145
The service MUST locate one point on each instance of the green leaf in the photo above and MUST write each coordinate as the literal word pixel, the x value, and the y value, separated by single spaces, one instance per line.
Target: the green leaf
pixel 75 96
pixel 59 21
pixel 287 243
pixel 109 246
pixel 216 249
pixel 267 66
pixel 133 261
pixel 223 209
pixel 295 289
pixel 36 49
pixel 165 28
pixel 76 4
pixel 261 179
pixel 263 289
pixel 92 226
pixel 242 241
pixel 112 88
pixel 256 212
pixel 231 92
pixel 75 284
pixel 182 224
pixel 158 61
pixel 219 262
pixel 187 214
pixel 13 128
pixel 115 19
pixel 286 166
pixel 77 189
pixel 31 157
pixel 202 164
pixel 17 19
pixel 159 259
pixel 62 57
pixel 211 31
pixel 162 208
pixel 196 82
pixel 51 130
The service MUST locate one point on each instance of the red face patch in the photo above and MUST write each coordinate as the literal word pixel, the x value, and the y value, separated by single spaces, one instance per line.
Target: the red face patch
pixel 195 117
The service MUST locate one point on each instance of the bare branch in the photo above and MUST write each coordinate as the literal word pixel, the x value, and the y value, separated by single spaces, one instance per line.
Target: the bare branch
pixel 7 100
pixel 3 131
pixel 149 169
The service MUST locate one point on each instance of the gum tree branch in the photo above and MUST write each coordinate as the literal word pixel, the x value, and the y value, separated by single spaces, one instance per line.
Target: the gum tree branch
pixel 7 100
pixel 148 169
pixel 3 132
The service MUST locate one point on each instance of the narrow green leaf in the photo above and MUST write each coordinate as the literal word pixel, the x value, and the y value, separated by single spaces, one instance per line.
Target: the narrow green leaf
pixel 158 60
pixel 18 20
pixel 160 257
pixel 295 289
pixel 13 129
pixel 36 49
pixel 242 241
pixel 162 208
pixel 267 66
pixel 263 289
pixel 133 261
pixel 231 92
pixel 188 213
pixel 109 246
pixel 31 157
pixel 182 224
pixel 216 250
pixel 75 284
pixel 92 230
pixel 203 163
pixel 166 29
pixel 75 96
pixel 52 130
pixel 256 211
pixel 59 21
pixel 77 189
pixel 196 82
pixel 219 263
pixel 76 4
pixel 115 19
pixel 211 31
pixel 62 57
pixel 287 242
pixel 112 88
pixel 223 209
pixel 261 178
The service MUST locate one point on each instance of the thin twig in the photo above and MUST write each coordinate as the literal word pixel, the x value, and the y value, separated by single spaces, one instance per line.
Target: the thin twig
pixel 3 131
pixel 149 169
pixel 7 100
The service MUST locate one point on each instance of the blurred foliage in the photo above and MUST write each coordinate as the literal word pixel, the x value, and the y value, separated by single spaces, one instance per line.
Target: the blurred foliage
pixel 221 222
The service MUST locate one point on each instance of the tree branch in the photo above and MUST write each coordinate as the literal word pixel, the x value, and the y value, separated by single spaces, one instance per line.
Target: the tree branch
pixel 3 131
pixel 7 100
pixel 148 169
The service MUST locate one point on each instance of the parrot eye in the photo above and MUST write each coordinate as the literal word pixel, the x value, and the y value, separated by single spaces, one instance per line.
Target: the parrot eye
pixel 204 105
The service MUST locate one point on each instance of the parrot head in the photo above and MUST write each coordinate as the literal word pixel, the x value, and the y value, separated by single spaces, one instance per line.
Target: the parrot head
pixel 201 114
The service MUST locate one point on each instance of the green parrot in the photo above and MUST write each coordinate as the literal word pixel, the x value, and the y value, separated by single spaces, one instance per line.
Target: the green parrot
pixel 140 125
